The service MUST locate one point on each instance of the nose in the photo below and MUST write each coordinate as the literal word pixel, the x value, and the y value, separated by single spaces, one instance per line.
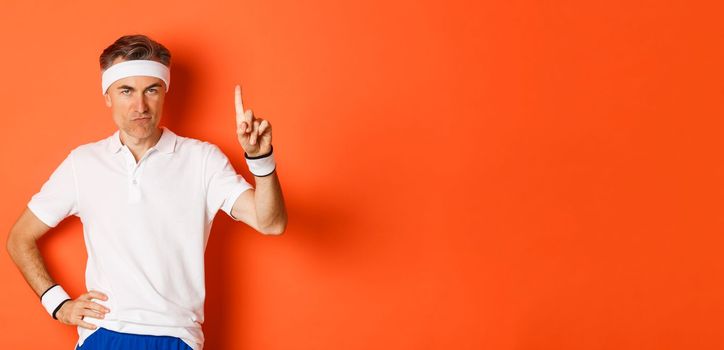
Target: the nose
pixel 139 104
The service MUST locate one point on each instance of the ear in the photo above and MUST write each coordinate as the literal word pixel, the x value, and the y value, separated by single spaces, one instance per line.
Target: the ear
pixel 108 99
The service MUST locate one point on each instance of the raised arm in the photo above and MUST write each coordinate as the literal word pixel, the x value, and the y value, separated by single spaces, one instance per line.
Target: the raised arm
pixel 263 207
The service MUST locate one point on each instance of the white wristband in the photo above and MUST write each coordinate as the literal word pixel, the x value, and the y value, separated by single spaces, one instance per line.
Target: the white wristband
pixel 261 165
pixel 53 298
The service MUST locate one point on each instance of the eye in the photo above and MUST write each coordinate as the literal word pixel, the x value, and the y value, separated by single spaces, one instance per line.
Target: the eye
pixel 152 90
pixel 125 92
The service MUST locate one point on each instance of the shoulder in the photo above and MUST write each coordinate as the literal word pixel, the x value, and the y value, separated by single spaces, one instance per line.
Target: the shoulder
pixel 209 154
pixel 189 145
pixel 89 149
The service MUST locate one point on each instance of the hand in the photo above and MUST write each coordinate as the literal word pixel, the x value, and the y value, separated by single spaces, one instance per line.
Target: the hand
pixel 254 134
pixel 73 311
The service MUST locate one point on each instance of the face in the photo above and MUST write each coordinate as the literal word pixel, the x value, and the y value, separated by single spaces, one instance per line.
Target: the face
pixel 136 104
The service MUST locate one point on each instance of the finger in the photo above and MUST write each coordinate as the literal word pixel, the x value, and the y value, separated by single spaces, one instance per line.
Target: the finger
pixel 95 295
pixel 263 126
pixel 97 307
pixel 85 324
pixel 255 132
pixel 239 105
pixel 92 313
pixel 241 132
pixel 249 119
pixel 81 307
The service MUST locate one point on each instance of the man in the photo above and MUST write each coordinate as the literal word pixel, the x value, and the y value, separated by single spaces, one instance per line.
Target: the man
pixel 147 198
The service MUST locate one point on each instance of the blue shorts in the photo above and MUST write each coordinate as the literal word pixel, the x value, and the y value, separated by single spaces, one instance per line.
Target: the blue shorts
pixel 111 340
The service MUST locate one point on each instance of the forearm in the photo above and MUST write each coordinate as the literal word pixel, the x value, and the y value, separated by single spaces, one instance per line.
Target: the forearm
pixel 270 209
pixel 27 257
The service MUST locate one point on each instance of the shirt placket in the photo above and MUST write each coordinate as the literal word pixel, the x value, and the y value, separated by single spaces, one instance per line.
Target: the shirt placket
pixel 134 174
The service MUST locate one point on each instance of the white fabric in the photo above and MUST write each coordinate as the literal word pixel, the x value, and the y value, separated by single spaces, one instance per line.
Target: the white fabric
pixel 145 227
pixel 53 297
pixel 262 166
pixel 135 68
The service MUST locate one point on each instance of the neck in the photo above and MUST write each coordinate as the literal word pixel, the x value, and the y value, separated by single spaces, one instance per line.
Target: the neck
pixel 139 145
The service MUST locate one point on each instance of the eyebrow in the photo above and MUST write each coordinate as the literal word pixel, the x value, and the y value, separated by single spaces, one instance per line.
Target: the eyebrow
pixel 124 87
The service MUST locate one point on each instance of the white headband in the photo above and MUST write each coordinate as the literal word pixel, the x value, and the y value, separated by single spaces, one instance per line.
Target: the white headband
pixel 133 68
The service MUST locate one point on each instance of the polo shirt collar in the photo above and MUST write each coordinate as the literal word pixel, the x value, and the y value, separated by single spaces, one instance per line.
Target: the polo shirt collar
pixel 166 144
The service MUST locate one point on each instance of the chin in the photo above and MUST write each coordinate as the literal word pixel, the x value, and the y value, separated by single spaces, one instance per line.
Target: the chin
pixel 141 132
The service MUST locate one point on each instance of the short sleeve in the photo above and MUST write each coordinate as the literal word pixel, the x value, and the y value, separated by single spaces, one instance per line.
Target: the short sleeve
pixel 57 198
pixel 224 184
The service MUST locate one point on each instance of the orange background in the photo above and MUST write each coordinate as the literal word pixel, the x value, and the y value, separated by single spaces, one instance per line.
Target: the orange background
pixel 458 175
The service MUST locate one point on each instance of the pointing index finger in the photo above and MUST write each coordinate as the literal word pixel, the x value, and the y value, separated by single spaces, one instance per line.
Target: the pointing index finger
pixel 239 105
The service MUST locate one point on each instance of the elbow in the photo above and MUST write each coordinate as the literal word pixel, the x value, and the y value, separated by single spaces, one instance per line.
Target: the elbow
pixel 18 243
pixel 13 244
pixel 276 229
pixel 10 242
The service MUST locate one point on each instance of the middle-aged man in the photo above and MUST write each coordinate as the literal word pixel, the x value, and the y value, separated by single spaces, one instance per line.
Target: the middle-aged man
pixel 147 199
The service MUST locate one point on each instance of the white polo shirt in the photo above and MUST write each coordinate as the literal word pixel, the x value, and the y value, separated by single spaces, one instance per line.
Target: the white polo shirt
pixel 145 227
